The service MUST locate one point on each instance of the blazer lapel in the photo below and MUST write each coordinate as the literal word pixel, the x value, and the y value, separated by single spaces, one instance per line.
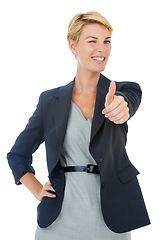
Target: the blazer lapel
pixel 98 118
pixel 61 107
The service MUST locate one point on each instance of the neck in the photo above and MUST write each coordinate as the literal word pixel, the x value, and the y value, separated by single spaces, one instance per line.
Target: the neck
pixel 86 82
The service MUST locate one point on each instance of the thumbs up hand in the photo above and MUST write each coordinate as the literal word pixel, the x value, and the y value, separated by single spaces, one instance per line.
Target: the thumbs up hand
pixel 116 109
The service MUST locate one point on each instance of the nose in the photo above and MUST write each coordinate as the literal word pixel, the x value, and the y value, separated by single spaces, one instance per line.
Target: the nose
pixel 100 47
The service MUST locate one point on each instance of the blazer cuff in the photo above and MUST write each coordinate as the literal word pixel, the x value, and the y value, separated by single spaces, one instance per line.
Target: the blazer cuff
pixel 19 166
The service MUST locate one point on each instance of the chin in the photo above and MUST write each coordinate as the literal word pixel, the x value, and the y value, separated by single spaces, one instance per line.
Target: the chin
pixel 99 70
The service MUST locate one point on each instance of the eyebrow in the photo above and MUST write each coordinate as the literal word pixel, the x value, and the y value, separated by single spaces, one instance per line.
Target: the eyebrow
pixel 96 37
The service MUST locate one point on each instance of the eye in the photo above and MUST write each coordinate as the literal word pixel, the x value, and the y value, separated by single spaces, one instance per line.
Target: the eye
pixel 92 41
pixel 107 42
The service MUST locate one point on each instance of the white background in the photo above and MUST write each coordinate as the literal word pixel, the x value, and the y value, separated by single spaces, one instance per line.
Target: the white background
pixel 34 57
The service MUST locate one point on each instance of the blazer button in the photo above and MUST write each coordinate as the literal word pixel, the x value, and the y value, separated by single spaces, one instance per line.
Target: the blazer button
pixel 102 185
pixel 99 160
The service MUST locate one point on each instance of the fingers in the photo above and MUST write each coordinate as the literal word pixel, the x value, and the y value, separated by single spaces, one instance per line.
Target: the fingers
pixel 117 106
pixel 47 191
pixel 118 116
pixel 110 95
pixel 48 187
pixel 122 120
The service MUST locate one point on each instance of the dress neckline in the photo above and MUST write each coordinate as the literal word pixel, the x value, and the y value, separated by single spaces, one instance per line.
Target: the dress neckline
pixel 89 119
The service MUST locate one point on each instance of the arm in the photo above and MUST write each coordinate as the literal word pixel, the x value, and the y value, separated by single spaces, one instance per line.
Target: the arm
pixel 36 188
pixel 20 156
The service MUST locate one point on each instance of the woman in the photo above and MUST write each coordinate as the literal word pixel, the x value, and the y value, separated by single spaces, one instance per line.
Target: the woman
pixel 93 191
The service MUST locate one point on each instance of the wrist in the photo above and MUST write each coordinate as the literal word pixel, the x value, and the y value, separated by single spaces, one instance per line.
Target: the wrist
pixel 33 185
pixel 37 193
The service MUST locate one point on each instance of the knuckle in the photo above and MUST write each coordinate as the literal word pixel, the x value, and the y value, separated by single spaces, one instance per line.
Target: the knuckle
pixel 116 118
pixel 121 121
pixel 128 116
pixel 121 98
pixel 108 115
pixel 108 109
pixel 126 103
pixel 114 113
pixel 46 194
pixel 118 122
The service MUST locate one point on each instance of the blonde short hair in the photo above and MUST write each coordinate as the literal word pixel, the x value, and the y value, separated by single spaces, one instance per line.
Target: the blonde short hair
pixel 80 20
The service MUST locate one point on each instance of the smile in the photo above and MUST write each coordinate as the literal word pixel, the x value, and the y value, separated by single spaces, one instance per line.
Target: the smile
pixel 98 59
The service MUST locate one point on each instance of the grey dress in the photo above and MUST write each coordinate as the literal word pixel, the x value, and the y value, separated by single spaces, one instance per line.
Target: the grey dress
pixel 81 217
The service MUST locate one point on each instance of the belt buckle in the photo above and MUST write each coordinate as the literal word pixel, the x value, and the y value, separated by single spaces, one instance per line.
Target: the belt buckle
pixel 90 168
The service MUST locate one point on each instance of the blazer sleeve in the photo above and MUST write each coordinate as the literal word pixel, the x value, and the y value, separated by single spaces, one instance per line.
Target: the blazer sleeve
pixel 20 156
pixel 132 94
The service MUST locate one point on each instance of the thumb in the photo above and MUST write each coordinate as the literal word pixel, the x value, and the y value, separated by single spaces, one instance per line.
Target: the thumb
pixel 111 92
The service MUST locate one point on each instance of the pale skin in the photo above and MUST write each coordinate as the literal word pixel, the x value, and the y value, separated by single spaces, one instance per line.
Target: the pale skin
pixel 92 52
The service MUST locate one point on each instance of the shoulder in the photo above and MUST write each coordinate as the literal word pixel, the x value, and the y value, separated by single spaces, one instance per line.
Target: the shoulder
pixel 128 85
pixel 55 93
pixel 121 85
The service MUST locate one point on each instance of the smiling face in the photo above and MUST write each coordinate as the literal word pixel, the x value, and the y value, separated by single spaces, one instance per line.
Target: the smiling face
pixel 93 48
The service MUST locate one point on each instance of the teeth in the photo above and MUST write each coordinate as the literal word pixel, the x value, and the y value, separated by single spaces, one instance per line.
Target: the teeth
pixel 98 58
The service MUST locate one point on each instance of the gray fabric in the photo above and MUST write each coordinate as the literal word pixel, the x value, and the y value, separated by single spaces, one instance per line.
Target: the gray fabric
pixel 81 217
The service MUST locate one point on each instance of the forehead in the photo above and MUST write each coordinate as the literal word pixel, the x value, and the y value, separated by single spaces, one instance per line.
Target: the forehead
pixel 94 29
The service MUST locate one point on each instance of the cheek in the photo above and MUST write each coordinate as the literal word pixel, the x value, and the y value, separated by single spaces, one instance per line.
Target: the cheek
pixel 84 55
pixel 109 50
pixel 87 50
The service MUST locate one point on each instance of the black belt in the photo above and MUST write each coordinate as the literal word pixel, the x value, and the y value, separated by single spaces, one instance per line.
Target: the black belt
pixel 89 169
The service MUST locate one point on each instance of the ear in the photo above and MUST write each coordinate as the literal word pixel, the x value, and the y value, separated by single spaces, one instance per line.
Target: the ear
pixel 71 44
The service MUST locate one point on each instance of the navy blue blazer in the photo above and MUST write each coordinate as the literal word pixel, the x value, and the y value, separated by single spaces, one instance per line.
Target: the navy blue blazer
pixel 122 203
